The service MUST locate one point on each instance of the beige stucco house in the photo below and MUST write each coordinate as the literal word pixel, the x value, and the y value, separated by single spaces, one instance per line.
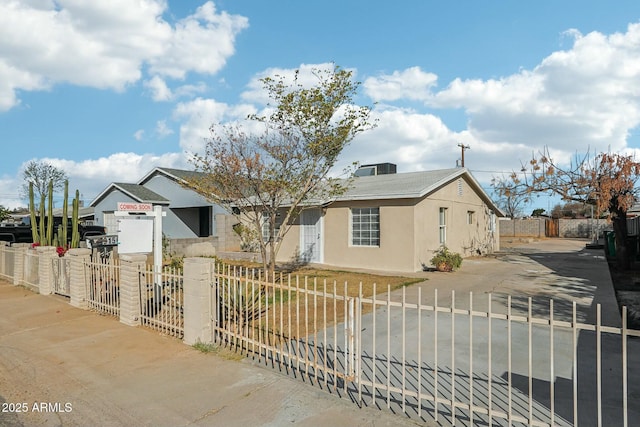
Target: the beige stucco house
pixel 395 222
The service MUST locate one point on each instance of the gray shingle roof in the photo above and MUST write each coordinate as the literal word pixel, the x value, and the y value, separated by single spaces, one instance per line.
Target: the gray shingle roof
pixel 140 193
pixel 411 185
pixel 177 174
pixel 401 185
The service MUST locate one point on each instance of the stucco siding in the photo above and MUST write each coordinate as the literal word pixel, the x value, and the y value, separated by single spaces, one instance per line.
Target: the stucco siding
pixel 290 247
pixel 396 237
pixel 465 235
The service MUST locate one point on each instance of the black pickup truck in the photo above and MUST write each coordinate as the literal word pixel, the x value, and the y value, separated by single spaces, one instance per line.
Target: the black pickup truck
pixel 21 232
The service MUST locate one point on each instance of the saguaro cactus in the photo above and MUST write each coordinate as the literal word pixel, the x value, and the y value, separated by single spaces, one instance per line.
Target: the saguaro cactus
pixel 49 239
pixel 65 215
pixel 41 219
pixel 35 238
pixel 75 233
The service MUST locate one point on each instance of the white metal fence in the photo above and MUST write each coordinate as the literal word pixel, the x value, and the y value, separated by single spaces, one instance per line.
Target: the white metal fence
pixel 102 279
pixel 468 366
pixel 161 300
pixel 299 326
pixel 475 360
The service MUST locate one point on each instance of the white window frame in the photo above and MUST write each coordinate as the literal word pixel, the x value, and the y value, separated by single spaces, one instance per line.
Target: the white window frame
pixel 471 217
pixel 265 226
pixel 442 225
pixel 365 221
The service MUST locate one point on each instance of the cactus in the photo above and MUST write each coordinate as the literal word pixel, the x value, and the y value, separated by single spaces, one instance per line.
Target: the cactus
pixel 75 233
pixel 32 211
pixel 49 239
pixel 41 219
pixel 58 238
pixel 65 216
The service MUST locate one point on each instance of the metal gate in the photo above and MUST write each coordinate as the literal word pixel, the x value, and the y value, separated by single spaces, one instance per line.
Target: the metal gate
pixel 300 327
pixel 102 279
pixel 487 361
pixel 494 362
pixel 61 275
pixel 161 300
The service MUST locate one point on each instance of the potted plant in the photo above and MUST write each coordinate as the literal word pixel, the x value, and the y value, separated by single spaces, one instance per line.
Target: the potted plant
pixel 445 260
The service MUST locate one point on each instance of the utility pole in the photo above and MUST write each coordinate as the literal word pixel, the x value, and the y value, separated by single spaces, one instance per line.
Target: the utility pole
pixel 463 148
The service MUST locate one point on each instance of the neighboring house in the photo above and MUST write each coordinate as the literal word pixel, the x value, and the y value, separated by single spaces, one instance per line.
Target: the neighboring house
pixel 396 222
pixel 188 214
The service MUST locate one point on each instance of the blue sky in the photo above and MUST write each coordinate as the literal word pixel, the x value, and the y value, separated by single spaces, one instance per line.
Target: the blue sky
pixel 109 89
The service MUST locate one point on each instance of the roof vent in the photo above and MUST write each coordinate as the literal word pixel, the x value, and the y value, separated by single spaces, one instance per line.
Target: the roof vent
pixel 376 169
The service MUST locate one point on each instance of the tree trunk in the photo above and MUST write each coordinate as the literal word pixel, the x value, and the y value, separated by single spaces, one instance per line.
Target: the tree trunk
pixel 619 221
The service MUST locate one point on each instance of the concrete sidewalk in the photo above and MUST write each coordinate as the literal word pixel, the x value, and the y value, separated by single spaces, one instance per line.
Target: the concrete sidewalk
pixel 62 366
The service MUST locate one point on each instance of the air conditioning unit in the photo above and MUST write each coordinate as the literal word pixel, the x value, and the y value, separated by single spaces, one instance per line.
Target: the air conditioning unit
pixel 376 169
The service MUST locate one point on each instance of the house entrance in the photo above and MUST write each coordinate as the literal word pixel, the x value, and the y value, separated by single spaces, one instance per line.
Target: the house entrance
pixel 311 235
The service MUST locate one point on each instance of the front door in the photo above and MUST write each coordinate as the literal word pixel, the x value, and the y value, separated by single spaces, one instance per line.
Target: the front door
pixel 311 236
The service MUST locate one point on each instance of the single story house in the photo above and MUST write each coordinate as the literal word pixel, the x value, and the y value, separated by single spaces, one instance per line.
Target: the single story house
pixel 189 216
pixel 396 222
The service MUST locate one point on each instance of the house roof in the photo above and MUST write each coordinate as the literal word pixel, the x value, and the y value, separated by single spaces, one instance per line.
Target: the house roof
pixel 410 185
pixel 174 174
pixel 400 185
pixel 137 192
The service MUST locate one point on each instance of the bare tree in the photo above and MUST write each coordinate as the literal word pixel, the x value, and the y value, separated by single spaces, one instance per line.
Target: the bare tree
pixel 511 202
pixel 271 176
pixel 40 174
pixel 606 181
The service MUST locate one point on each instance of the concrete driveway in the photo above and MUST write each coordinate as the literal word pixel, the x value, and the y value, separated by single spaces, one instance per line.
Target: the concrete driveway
pixel 455 349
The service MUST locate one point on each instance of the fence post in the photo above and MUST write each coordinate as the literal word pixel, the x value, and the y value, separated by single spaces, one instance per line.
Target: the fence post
pixel 3 262
pixel 19 261
pixel 45 276
pixel 77 285
pixel 197 301
pixel 130 267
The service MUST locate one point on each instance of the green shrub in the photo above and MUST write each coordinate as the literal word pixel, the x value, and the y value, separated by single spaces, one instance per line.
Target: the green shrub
pixel 445 260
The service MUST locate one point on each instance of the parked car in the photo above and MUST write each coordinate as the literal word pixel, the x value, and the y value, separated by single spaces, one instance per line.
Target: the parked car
pixel 21 232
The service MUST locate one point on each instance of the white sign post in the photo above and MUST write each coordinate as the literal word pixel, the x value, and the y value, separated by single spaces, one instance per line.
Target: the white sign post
pixel 136 237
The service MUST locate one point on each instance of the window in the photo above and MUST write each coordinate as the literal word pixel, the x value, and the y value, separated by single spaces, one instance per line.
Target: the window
pixel 471 217
pixel 365 226
pixel 443 225
pixel 265 226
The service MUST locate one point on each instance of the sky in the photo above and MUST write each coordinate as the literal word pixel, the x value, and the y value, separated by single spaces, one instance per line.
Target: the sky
pixel 109 89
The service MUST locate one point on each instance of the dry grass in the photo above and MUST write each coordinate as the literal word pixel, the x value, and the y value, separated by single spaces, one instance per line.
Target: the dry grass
pixel 325 278
pixel 308 300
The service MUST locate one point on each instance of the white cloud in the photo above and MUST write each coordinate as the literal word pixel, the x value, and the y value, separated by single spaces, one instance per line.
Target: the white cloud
pixel 199 115
pixel 584 97
pixel 413 140
pixel 206 37
pixel 106 44
pixel 412 83
pixel 159 89
pixel 306 78
pixel 92 176
pixel 162 129
pixel 574 99
pixel 139 134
